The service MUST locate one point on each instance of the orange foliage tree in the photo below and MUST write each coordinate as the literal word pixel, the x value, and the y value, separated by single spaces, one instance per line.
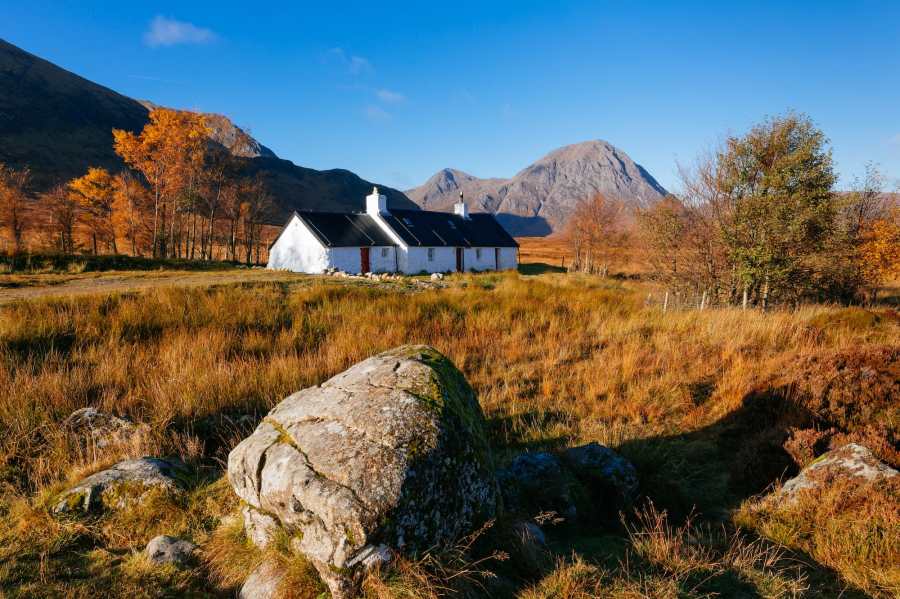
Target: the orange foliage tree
pixel 880 251
pixel 130 212
pixel 62 214
pixel 169 152
pixel 599 234
pixel 94 193
pixel 15 208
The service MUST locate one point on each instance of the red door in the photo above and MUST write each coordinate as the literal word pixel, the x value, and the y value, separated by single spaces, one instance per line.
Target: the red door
pixel 459 259
pixel 364 260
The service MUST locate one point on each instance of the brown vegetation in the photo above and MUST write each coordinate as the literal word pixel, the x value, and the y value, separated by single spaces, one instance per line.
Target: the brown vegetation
pixel 556 360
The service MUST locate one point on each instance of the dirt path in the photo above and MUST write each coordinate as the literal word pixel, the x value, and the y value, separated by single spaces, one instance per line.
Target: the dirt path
pixel 120 282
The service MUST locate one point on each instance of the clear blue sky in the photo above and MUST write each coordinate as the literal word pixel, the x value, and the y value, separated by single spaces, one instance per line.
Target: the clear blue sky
pixel 396 91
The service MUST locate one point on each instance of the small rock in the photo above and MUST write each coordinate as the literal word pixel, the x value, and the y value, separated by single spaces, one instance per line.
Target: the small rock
pixel 605 473
pixel 537 482
pixel 530 533
pixel 263 583
pixel 98 428
pixel 852 461
pixel 121 485
pixel 169 550
pixel 437 276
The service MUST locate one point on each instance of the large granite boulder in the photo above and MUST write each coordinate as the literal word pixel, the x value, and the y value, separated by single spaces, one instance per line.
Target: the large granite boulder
pixel 388 456
pixel 122 485
pixel 851 462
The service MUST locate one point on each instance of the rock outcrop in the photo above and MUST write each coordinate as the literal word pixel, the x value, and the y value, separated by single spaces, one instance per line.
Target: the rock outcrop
pixel 388 456
pixel 164 549
pixel 264 582
pixel 122 485
pixel 851 462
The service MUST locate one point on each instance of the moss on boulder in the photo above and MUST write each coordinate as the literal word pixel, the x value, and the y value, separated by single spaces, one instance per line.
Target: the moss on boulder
pixel 389 456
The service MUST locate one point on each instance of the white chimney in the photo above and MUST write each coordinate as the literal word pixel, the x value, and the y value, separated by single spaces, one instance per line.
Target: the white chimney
pixel 376 203
pixel 460 207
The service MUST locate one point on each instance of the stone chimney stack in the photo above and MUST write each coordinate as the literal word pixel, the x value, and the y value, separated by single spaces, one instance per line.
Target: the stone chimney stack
pixel 460 207
pixel 376 203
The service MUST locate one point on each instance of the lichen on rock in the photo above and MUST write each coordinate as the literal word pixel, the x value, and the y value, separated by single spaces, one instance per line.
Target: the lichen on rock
pixel 388 456
pixel 121 485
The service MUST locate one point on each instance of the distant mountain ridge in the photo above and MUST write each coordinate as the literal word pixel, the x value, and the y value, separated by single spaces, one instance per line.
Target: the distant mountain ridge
pixel 540 199
pixel 58 124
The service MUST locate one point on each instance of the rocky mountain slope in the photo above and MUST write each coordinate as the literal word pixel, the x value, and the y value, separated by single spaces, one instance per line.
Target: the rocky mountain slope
pixel 540 198
pixel 58 124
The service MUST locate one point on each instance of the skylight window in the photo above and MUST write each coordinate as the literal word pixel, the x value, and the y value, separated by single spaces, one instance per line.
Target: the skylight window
pixel 452 224
pixel 407 221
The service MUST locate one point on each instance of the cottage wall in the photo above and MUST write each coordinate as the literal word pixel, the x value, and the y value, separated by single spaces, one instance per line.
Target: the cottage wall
pixel 509 259
pixel 416 260
pixel 298 250
pixel 345 259
pixel 471 261
pixel 383 263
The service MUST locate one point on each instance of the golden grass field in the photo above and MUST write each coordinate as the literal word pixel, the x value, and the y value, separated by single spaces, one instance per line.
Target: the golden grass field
pixel 556 360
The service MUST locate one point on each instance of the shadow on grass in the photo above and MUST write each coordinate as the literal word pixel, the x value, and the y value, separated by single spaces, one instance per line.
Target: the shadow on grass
pixel 539 268
pixel 714 468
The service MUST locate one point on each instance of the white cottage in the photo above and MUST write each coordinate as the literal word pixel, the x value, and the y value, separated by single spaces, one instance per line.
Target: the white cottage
pixel 382 240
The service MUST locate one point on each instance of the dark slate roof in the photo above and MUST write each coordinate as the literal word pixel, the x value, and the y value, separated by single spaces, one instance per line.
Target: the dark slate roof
pixel 437 229
pixel 345 229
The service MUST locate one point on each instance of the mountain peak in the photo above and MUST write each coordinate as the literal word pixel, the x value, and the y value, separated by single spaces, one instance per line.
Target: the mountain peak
pixel 542 196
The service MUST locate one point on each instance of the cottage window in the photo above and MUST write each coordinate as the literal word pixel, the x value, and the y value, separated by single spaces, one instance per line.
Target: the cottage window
pixel 478 253
pixel 384 252
pixel 431 254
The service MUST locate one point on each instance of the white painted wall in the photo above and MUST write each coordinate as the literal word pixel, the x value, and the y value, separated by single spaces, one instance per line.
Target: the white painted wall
pixel 471 260
pixel 383 259
pixel 416 260
pixel 298 250
pixel 345 259
pixel 509 259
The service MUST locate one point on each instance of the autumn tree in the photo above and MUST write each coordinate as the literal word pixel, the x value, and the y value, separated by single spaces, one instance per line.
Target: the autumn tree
pixel 94 192
pixel 15 207
pixel 599 234
pixel 663 227
pixel 775 206
pixel 130 212
pixel 255 204
pixel 62 214
pixel 169 153
pixel 880 250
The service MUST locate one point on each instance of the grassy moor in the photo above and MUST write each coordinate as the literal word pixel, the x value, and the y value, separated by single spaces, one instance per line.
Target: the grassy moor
pixel 695 399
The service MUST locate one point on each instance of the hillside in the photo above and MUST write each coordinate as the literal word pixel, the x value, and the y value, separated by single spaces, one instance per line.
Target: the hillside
pixel 541 197
pixel 58 124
